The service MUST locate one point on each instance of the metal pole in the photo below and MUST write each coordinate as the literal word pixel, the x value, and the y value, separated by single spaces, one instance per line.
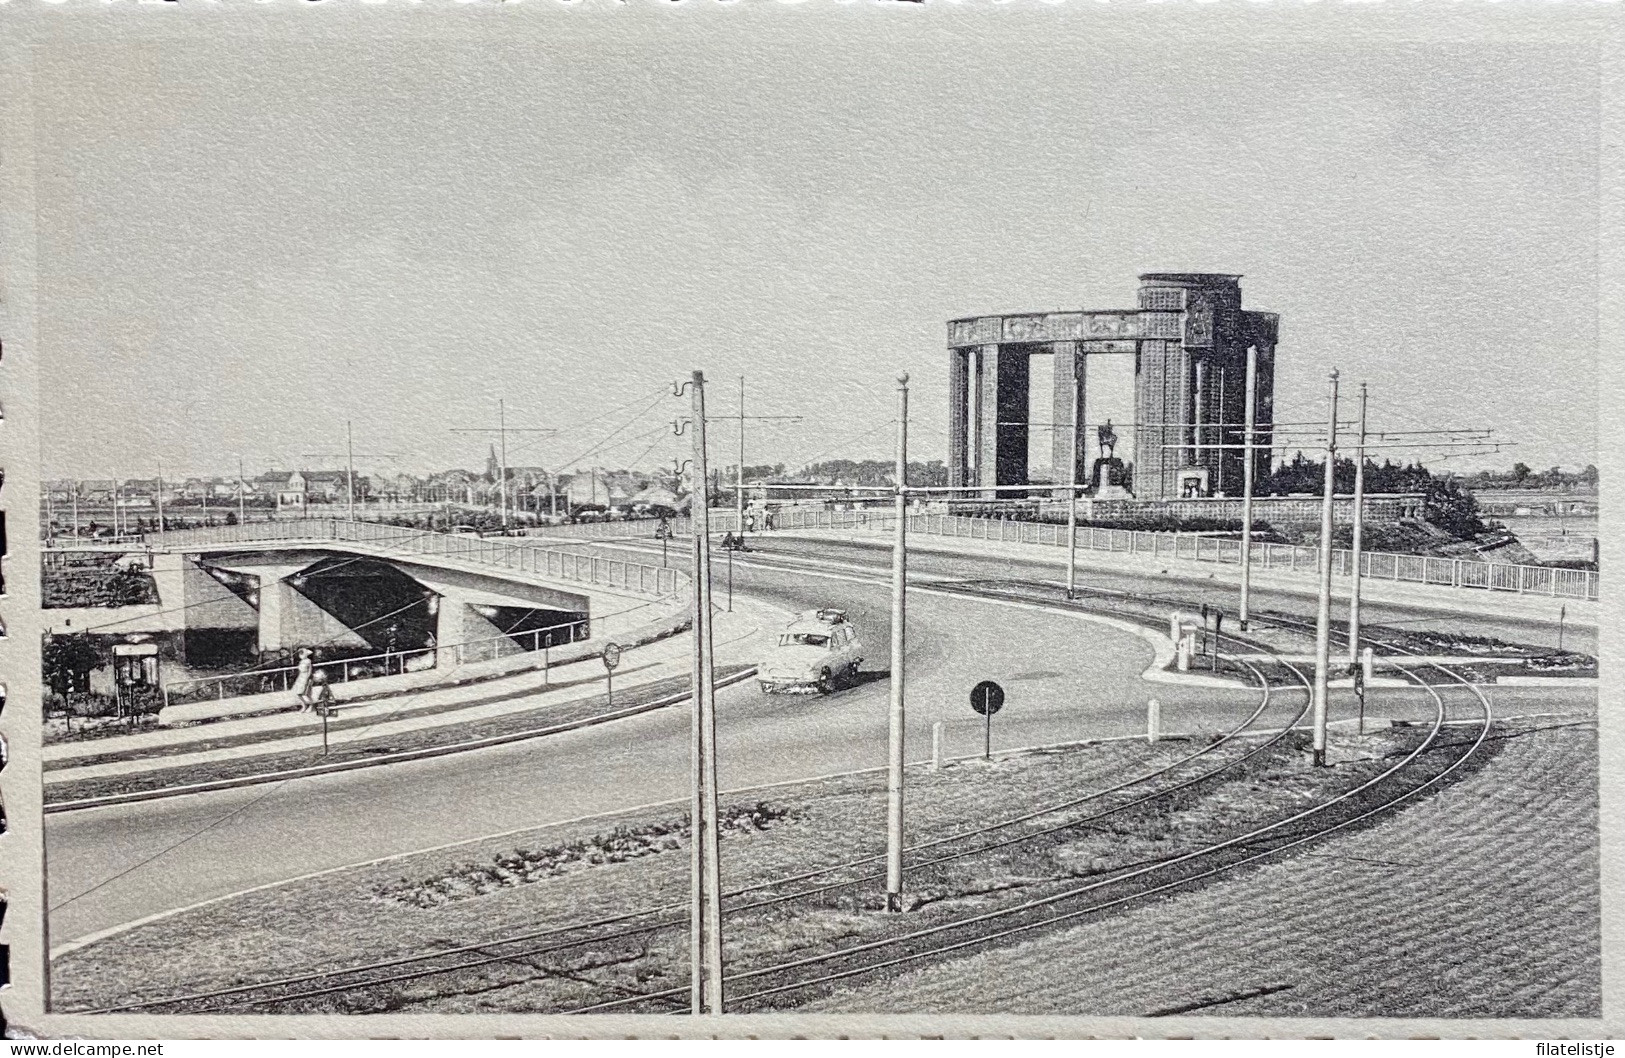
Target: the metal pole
pixel 707 907
pixel 349 473
pixel 1072 493
pixel 739 486
pixel 1323 612
pixel 899 572
pixel 76 508
pixel 158 498
pixel 242 508
pixel 1249 429
pixel 502 433
pixel 1359 526
pixel 987 733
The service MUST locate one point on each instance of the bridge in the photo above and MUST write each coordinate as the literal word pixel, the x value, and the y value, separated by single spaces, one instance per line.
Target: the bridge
pixel 448 599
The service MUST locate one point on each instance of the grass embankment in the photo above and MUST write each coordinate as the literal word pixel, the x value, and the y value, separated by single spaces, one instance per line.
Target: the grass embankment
pixel 1480 902
pixel 543 717
pixel 513 885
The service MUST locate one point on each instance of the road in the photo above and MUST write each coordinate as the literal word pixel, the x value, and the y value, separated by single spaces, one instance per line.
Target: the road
pixel 1067 678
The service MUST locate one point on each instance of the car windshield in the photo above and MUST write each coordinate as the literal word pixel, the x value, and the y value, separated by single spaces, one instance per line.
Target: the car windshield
pixel 803 639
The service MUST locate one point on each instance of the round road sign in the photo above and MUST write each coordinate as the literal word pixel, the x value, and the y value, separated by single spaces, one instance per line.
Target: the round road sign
pixel 612 655
pixel 987 698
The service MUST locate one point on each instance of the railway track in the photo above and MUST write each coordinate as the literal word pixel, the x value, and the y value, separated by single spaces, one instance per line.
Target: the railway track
pixel 795 978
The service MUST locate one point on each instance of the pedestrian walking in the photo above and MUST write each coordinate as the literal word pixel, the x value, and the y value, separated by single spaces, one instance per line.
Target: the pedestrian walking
pixel 301 681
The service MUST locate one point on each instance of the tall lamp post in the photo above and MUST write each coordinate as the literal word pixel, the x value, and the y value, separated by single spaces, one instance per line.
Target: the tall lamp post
pixel 1323 611
pixel 895 726
pixel 706 899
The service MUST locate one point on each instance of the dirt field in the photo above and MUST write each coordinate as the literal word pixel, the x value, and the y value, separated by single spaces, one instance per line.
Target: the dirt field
pixel 1480 901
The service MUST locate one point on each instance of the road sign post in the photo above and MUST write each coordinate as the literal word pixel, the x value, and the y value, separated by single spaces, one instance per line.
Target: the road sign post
pixel 987 698
pixel 1359 696
pixel 612 658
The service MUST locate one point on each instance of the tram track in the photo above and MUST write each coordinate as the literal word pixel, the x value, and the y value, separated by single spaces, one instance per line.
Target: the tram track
pixel 318 984
pixel 785 978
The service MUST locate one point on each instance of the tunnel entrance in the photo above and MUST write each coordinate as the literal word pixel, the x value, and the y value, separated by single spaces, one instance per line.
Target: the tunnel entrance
pixel 532 628
pixel 379 603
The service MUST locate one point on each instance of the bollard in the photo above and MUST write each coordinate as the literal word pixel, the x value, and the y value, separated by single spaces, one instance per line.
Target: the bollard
pixel 1176 626
pixel 1153 720
pixel 936 746
pixel 1367 663
pixel 1183 654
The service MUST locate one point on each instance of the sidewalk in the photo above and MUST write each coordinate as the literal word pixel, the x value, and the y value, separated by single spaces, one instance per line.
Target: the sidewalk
pixel 738 638
pixel 1475 601
pixel 240 706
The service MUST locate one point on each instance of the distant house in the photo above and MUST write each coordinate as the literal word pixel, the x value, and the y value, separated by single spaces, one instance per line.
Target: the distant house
pixel 98 490
pixel 287 487
pixel 451 486
pixel 600 488
pixel 327 486
pixel 656 496
pixel 221 489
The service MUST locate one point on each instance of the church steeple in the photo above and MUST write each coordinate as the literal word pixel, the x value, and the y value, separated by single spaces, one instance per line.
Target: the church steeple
pixel 492 468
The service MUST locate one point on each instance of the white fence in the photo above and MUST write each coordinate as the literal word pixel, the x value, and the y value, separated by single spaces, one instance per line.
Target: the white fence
pixel 1190 547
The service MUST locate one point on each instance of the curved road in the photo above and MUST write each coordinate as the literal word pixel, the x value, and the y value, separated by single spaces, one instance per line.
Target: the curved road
pixel 1066 678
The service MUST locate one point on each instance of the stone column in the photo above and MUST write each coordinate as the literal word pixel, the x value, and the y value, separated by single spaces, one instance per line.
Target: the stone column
pixel 958 415
pixel 1070 368
pixel 1198 407
pixel 987 425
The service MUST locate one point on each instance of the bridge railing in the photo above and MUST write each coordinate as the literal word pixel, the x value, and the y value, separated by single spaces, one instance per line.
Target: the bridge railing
pixel 389 663
pixel 1290 558
pixel 511 553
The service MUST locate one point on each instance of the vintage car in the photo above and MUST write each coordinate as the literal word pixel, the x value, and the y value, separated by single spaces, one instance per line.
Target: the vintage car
pixel 815 652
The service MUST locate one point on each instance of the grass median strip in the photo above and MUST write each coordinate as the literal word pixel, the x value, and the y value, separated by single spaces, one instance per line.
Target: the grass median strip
pixel 810 826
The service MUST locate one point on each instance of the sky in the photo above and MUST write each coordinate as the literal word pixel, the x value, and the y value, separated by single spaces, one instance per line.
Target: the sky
pixel 245 241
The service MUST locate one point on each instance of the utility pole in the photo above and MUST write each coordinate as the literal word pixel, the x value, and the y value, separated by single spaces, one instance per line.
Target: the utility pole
pixel 158 498
pixel 739 487
pixel 502 433
pixel 1323 612
pixel 1359 525
pixel 1247 442
pixel 76 508
pixel 242 503
pixel 349 472
pixel 706 908
pixel 899 612
pixel 1072 493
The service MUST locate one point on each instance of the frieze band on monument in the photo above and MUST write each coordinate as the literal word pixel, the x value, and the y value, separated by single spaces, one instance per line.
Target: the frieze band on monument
pixel 1183 354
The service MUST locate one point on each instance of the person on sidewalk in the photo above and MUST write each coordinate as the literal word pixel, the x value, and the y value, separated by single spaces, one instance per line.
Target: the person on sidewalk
pixel 301 681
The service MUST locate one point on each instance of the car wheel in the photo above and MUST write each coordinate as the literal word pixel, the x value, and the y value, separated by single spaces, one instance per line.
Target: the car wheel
pixel 826 682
